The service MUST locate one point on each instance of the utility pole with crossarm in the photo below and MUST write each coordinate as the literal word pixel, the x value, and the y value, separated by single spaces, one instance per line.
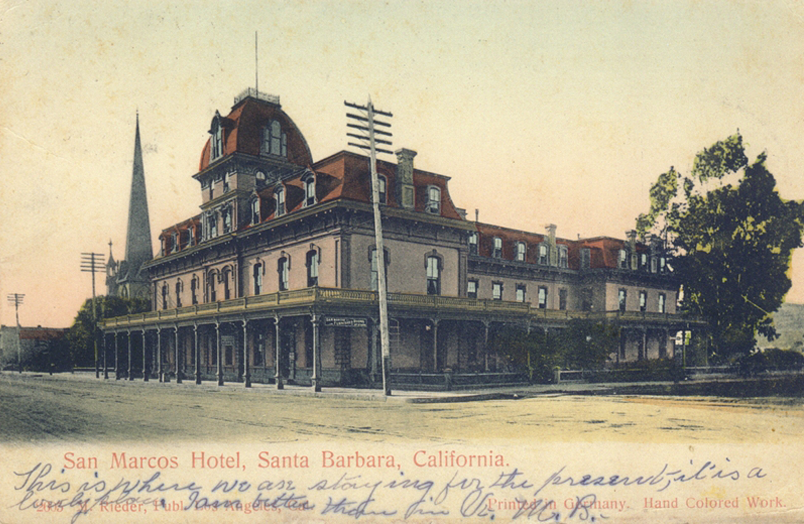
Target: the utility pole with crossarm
pixel 94 263
pixel 366 125
pixel 16 299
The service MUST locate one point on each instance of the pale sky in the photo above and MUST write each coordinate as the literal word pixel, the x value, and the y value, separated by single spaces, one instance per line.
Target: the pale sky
pixel 540 111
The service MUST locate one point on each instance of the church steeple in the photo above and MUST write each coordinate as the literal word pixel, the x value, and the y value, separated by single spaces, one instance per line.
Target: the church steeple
pixel 138 235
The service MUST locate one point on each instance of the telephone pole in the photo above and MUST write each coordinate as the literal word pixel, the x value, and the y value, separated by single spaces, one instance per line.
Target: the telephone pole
pixel 366 126
pixel 16 299
pixel 93 263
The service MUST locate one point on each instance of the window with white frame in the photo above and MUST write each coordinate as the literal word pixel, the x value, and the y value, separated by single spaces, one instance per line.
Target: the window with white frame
pixel 212 223
pixel 255 211
pixel 496 290
pixel 212 295
pixel 622 296
pixel 283 268
pixel 433 204
pixel 622 259
pixel 382 187
pixel 542 297
pixel 226 277
pixel 279 198
pixel 164 296
pixel 473 239
pixel 643 301
pixel 520 251
pixel 563 257
pixel 226 216
pixel 312 267
pixel 433 275
pixel 226 183
pixel 275 142
pixel 520 293
pixel 179 289
pixel 309 190
pixel 194 290
pixel 496 251
pixel 544 254
pixel 217 138
pixel 662 303
pixel 662 264
pixel 471 288
pixel 257 276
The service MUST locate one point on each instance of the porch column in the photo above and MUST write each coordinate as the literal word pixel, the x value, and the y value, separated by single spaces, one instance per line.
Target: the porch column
pixel 178 360
pixel 116 360
pixel 246 370
pixel 144 353
pixel 159 354
pixel 130 369
pixel 219 367
pixel 486 344
pixel 278 376
pixel 434 322
pixel 316 355
pixel 197 350
pixel 105 354
pixel 643 353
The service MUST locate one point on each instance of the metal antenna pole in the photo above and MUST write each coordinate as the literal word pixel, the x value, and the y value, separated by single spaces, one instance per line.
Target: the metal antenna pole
pixel 93 263
pixel 17 299
pixel 368 135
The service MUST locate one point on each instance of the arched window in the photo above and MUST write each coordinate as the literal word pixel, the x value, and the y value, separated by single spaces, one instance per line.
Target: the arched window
pixel 279 197
pixel 194 290
pixel 164 296
pixel 283 268
pixel 520 251
pixel 275 142
pixel 212 296
pixel 313 259
pixel 217 137
pixel 433 264
pixel 255 211
pixel 622 259
pixel 382 186
pixel 473 239
pixel 226 276
pixel 258 271
pixel 544 256
pixel 496 251
pixel 563 257
pixel 309 190
pixel 433 204
pixel 179 289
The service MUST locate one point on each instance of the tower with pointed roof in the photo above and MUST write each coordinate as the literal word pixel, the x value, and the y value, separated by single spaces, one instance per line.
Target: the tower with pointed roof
pixel 131 279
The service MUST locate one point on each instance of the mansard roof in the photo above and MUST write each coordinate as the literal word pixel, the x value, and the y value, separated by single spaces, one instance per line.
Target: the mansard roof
pixel 243 128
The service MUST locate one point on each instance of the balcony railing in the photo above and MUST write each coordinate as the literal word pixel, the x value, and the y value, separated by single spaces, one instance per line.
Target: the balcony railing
pixel 320 295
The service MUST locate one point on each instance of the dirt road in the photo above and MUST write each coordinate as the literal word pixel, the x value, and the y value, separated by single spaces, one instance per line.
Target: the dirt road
pixel 83 409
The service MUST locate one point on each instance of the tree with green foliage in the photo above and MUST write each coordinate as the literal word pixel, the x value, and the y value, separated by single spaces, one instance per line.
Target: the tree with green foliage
pixel 730 237
pixel 79 337
pixel 583 344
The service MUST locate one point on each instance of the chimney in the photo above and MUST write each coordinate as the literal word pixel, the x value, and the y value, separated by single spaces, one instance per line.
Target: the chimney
pixel 551 244
pixel 404 178
pixel 632 235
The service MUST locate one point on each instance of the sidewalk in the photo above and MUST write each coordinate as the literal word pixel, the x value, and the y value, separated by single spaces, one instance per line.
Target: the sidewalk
pixel 418 397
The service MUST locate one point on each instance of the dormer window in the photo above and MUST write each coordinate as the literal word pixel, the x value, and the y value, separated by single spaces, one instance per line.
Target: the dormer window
pixel 255 211
pixel 544 257
pixel 473 238
pixel 586 258
pixel 563 257
pixel 497 250
pixel 217 138
pixel 274 141
pixel 309 190
pixel 279 197
pixel 382 185
pixel 433 204
pixel 191 236
pixel 174 242
pixel 520 251
pixel 623 259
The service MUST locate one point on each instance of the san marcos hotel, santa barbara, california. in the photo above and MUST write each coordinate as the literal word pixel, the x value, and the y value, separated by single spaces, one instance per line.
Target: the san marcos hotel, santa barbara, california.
pixel 275 280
